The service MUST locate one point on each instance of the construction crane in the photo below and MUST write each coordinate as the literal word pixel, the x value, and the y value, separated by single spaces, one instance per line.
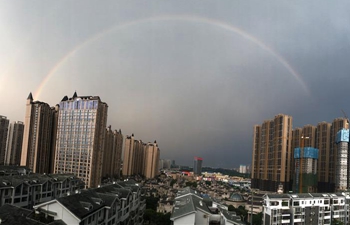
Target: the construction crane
pixel 347 120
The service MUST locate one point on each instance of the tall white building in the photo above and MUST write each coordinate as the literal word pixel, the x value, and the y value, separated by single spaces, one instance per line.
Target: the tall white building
pixel 80 138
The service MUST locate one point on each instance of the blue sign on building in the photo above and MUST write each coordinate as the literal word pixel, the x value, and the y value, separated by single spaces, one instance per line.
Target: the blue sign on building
pixel 343 135
pixel 308 152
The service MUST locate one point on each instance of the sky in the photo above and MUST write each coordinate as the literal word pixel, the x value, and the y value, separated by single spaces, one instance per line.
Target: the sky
pixel 194 75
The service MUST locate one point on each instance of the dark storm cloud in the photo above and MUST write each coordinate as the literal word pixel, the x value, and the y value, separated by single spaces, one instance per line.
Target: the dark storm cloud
pixel 195 87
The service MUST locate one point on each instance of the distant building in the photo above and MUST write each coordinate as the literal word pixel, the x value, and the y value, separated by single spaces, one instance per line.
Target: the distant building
pixel 305 179
pixel 14 144
pixel 112 153
pixel 272 154
pixel 342 180
pixel 128 162
pixel 81 138
pixel 165 164
pixel 197 166
pixel 39 129
pixel 337 125
pixel 152 155
pixel 4 125
pixel 242 168
pixel 323 140
pixel 140 158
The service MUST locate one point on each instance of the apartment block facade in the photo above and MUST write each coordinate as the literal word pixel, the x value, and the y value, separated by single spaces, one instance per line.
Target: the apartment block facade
pixel 323 140
pixel 14 144
pixel 266 144
pixel 140 158
pixel 80 138
pixel 112 153
pixel 307 208
pixel 152 155
pixel 272 154
pixel 37 149
pixel 4 126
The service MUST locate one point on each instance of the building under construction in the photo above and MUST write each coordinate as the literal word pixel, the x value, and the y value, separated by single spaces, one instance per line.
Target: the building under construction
pixel 342 168
pixel 305 170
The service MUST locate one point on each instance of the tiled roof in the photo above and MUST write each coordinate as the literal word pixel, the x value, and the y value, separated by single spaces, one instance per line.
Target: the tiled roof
pixel 231 216
pixel 183 206
pixel 13 215
pixel 81 205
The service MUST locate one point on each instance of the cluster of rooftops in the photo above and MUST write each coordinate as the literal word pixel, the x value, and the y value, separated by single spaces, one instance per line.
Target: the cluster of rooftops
pixel 189 201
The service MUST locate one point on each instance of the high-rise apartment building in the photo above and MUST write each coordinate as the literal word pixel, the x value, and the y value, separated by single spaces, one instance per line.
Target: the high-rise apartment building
pixel 4 125
pixel 272 147
pixel 337 125
pixel 197 165
pixel 323 140
pixel 134 157
pixel 342 167
pixel 305 179
pixel 112 153
pixel 14 144
pixel 81 137
pixel 322 137
pixel 257 153
pixel 128 162
pixel 152 155
pixel 118 140
pixel 38 137
pixel 139 157
pixel 304 165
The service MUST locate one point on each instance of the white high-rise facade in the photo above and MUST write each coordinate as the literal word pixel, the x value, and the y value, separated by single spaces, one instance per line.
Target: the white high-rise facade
pixel 80 138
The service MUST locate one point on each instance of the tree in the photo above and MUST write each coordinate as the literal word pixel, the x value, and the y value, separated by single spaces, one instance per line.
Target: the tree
pixel 172 182
pixel 152 203
pixel 257 219
pixel 149 215
pixel 152 217
pixel 337 222
pixel 231 208
pixel 242 212
pixel 191 184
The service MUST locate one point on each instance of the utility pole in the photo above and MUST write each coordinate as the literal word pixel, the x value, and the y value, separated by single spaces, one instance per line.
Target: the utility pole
pixel 251 209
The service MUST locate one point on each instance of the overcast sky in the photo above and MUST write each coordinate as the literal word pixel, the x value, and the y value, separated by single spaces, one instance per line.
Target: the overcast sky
pixel 193 75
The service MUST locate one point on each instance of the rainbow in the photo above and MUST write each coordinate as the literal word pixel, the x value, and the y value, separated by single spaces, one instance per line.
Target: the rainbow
pixel 186 18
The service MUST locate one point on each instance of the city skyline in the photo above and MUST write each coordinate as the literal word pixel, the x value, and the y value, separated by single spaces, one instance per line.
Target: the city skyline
pixel 197 76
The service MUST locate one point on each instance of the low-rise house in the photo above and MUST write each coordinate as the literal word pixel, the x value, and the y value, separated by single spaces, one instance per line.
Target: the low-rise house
pixel 14 215
pixel 119 203
pixel 28 190
pixel 306 208
pixel 192 209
